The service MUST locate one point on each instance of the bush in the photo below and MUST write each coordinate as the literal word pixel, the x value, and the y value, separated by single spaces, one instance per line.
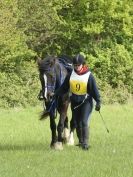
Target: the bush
pixel 20 88
pixel 110 95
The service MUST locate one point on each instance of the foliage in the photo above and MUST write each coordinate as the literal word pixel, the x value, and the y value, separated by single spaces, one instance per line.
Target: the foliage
pixel 38 20
pixel 113 66
pixel 101 30
pixel 19 87
pixel 17 76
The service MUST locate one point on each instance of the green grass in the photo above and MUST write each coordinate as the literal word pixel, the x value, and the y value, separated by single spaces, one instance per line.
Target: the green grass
pixel 25 152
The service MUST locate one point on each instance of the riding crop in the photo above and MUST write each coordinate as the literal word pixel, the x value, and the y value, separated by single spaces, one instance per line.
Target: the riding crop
pixel 103 122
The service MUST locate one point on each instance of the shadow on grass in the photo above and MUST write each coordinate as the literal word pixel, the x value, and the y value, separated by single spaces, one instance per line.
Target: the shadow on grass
pixel 24 147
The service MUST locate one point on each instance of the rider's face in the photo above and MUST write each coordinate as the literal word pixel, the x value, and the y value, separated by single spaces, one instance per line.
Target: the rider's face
pixel 78 67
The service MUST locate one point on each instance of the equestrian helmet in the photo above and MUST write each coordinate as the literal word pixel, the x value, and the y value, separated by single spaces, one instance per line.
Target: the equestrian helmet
pixel 78 59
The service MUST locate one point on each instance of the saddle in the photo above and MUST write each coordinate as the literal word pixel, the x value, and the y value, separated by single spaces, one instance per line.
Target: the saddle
pixel 67 63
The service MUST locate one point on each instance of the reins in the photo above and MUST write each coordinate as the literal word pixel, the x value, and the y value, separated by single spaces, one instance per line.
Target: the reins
pixel 81 102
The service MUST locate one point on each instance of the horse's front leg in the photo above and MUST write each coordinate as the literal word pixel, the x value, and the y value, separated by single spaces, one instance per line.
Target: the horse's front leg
pixel 66 132
pixel 72 128
pixel 53 131
pixel 60 127
pixel 58 145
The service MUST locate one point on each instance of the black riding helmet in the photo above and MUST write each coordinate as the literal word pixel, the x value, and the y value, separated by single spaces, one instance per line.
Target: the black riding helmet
pixel 78 59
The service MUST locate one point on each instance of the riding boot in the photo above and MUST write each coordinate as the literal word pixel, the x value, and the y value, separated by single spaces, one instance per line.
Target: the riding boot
pixel 80 136
pixel 85 144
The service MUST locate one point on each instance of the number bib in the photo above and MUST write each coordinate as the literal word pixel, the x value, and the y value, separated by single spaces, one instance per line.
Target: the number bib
pixel 78 83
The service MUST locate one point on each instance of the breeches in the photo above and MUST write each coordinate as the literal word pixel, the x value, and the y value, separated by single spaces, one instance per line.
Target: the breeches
pixel 81 115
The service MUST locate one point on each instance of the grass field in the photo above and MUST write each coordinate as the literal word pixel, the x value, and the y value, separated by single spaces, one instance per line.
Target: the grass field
pixel 25 152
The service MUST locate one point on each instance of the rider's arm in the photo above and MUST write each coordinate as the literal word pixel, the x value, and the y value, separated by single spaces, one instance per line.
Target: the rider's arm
pixel 93 89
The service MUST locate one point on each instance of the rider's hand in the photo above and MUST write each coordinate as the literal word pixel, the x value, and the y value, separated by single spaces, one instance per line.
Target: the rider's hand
pixel 98 107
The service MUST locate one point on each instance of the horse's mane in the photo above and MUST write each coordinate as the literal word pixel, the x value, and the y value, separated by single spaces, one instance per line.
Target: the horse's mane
pixel 43 64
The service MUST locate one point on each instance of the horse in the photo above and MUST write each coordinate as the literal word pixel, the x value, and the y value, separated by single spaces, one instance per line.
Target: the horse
pixel 52 72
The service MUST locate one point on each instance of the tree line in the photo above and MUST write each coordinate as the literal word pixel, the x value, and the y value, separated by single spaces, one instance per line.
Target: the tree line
pixel 99 29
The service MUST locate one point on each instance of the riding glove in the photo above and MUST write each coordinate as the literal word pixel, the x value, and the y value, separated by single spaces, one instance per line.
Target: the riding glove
pixel 98 107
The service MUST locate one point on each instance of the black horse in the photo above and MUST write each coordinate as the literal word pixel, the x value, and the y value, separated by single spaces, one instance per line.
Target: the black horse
pixel 52 72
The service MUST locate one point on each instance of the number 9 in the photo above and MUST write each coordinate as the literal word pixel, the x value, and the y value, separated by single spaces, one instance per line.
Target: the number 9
pixel 77 87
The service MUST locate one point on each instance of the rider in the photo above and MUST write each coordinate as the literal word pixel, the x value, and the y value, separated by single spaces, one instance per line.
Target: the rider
pixel 83 89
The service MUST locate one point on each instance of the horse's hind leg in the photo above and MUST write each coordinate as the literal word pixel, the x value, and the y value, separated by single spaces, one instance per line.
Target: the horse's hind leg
pixel 62 109
pixel 63 131
pixel 53 131
pixel 66 132
pixel 66 122
pixel 72 128
pixel 60 130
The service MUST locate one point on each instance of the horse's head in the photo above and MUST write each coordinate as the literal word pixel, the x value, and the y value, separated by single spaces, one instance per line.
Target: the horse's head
pixel 48 79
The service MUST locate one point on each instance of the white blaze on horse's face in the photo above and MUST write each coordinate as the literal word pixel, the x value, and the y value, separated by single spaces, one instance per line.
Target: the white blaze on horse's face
pixel 45 81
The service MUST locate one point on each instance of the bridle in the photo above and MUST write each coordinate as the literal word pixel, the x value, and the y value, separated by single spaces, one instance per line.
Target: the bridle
pixel 57 80
pixel 47 85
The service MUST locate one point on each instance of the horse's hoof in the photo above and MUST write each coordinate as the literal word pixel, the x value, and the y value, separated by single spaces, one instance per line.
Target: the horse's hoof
pixel 71 140
pixel 70 143
pixel 52 145
pixel 66 135
pixel 58 146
